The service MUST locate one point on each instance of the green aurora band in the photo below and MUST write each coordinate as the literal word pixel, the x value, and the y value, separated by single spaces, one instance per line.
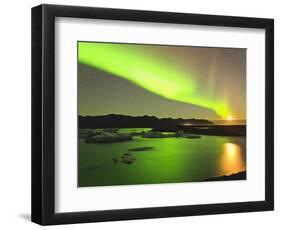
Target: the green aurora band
pixel 150 73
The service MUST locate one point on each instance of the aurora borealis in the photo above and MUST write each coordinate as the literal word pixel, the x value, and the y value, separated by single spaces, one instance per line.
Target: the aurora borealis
pixel 187 81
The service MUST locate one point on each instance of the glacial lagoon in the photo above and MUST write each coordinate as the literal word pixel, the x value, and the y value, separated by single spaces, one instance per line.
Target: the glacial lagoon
pixel 160 160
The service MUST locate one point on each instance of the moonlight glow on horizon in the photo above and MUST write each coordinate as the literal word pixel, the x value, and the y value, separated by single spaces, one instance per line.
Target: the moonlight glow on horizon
pixel 155 75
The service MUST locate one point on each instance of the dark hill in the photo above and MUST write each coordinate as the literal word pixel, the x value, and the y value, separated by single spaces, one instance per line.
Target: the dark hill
pixel 123 121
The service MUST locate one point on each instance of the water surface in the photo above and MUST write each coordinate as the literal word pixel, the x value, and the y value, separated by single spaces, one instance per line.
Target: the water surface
pixel 170 160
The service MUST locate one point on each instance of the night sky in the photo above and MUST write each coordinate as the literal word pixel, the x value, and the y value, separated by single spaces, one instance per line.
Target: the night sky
pixel 162 81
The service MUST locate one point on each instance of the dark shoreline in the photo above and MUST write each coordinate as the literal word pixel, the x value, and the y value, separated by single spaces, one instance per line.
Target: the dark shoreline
pixel 236 176
pixel 192 125
pixel 125 121
pixel 213 130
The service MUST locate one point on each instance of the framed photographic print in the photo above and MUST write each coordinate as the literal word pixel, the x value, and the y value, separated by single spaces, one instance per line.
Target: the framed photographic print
pixel 142 114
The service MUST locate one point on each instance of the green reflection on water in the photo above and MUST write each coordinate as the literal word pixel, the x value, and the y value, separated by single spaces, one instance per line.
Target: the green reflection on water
pixel 170 160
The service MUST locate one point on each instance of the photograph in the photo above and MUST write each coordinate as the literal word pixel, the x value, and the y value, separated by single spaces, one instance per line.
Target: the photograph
pixel 150 114
pixel 142 113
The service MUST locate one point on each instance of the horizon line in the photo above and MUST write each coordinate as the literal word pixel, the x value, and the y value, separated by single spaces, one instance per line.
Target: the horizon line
pixel 238 119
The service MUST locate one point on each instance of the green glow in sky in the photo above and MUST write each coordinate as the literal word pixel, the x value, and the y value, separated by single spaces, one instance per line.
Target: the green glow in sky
pixel 155 75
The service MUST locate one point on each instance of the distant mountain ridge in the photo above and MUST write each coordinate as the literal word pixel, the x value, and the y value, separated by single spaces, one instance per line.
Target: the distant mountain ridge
pixel 125 121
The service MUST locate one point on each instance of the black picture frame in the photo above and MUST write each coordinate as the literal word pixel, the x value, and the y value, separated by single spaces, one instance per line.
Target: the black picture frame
pixel 43 110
